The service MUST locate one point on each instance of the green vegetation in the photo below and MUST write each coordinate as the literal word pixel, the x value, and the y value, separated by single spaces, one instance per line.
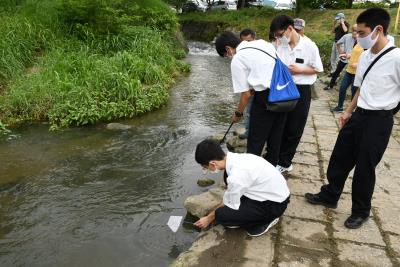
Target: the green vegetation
pixel 78 62
pixel 318 23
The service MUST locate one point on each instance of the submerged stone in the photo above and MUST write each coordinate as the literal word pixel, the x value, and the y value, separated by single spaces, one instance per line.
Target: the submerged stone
pixel 205 182
pixel 118 126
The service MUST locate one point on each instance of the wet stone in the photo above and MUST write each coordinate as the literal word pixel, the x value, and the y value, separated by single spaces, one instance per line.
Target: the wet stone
pixel 291 256
pixel 201 205
pixel 368 233
pixel 353 255
pixel 304 234
pixel 299 208
pixel 118 126
pixel 205 182
pixel 239 131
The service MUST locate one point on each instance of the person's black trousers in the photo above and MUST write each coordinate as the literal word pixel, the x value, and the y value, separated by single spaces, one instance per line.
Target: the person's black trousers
pixel 335 75
pixel 294 126
pixel 250 213
pixel 265 127
pixel 360 143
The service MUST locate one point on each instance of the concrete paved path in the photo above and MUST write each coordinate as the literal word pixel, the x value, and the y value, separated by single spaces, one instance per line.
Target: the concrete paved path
pixel 310 235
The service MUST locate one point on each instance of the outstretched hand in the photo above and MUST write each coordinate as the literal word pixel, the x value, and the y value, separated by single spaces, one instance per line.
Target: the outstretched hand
pixel 203 222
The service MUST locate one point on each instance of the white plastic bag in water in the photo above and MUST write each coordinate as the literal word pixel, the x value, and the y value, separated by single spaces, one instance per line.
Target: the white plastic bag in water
pixel 174 222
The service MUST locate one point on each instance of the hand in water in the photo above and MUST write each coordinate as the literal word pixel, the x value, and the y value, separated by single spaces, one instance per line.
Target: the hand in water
pixel 204 222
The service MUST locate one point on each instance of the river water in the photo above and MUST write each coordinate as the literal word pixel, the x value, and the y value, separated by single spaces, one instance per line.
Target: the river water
pixel 95 197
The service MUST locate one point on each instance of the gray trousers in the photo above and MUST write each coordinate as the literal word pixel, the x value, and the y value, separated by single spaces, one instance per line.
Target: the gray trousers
pixel 334 57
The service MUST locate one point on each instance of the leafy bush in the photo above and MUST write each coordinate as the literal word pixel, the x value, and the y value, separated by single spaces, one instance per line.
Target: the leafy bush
pixel 369 5
pixel 95 64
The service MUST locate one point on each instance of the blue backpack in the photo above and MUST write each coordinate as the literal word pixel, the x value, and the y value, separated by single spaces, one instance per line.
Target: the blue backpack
pixel 283 93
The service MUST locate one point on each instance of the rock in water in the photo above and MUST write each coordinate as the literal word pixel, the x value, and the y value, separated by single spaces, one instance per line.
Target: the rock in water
pixel 201 205
pixel 118 126
pixel 205 182
pixel 240 131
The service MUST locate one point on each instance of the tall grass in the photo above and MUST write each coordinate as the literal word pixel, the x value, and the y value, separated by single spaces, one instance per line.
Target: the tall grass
pixel 87 73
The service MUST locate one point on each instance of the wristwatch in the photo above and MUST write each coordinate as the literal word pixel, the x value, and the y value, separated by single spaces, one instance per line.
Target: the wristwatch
pixel 238 114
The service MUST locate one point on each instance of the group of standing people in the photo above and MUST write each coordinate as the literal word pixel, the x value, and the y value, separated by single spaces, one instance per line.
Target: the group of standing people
pixel 257 193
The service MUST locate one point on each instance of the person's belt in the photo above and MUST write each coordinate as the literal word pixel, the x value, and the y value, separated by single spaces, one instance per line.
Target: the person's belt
pixel 369 112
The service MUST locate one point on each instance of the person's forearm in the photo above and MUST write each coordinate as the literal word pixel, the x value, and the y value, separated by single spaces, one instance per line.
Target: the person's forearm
pixel 308 71
pixel 339 48
pixel 211 215
pixel 353 103
pixel 244 99
pixel 344 27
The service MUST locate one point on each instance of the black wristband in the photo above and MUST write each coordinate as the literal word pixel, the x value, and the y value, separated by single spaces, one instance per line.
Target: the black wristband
pixel 238 114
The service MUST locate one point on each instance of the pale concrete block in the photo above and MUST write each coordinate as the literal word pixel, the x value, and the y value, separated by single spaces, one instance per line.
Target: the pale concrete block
pixel 368 233
pixel 352 255
pixel 306 158
pixel 344 205
pixel 389 217
pixel 394 241
pixel 307 147
pixel 304 171
pixel 308 138
pixel 292 256
pixel 301 186
pixel 304 234
pixel 298 207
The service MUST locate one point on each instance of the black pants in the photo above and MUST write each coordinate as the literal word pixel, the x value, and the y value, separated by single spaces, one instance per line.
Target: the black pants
pixel 360 143
pixel 265 127
pixel 335 75
pixel 294 126
pixel 250 213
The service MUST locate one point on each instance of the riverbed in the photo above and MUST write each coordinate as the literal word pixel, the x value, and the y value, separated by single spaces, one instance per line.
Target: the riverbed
pixel 94 197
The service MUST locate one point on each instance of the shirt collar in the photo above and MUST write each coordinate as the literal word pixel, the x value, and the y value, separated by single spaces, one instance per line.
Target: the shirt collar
pixel 230 159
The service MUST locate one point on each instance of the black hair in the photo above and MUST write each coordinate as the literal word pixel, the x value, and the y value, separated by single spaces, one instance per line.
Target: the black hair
pixel 247 32
pixel 373 17
pixel 226 39
pixel 208 150
pixel 280 22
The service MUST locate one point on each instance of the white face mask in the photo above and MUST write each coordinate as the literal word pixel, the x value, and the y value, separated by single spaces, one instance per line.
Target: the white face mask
pixel 284 40
pixel 367 42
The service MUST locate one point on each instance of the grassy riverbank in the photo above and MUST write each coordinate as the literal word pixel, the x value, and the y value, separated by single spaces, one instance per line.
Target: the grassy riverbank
pixel 81 62
pixel 318 23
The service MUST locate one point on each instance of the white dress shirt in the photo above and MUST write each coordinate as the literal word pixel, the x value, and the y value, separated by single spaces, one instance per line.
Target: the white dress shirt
pixel 251 68
pixel 305 51
pixel 254 177
pixel 381 87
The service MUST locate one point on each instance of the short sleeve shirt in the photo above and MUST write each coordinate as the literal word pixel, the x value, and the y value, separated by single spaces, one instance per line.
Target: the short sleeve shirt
pixel 252 68
pixel 254 177
pixel 347 42
pixel 305 53
pixel 380 89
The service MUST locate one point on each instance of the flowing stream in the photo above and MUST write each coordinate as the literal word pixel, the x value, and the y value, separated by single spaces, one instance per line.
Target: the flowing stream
pixel 94 197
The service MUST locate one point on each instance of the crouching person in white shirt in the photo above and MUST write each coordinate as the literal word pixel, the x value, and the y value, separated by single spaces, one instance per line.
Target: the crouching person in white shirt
pixel 256 196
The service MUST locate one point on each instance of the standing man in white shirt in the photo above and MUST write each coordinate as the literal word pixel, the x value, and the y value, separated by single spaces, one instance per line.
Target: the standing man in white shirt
pixel 365 132
pixel 251 67
pixel 256 196
pixel 301 55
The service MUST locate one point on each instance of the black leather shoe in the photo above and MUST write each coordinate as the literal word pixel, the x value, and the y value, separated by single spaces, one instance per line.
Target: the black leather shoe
pixel 316 199
pixel 354 222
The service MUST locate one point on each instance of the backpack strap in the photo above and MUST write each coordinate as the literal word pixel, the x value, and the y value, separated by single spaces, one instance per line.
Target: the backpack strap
pixel 259 50
pixel 376 60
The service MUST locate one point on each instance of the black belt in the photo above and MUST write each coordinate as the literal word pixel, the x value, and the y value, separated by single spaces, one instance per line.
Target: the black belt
pixel 369 112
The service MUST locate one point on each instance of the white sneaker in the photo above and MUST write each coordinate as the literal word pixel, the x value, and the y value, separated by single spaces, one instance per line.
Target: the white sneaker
pixel 284 169
pixel 260 230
